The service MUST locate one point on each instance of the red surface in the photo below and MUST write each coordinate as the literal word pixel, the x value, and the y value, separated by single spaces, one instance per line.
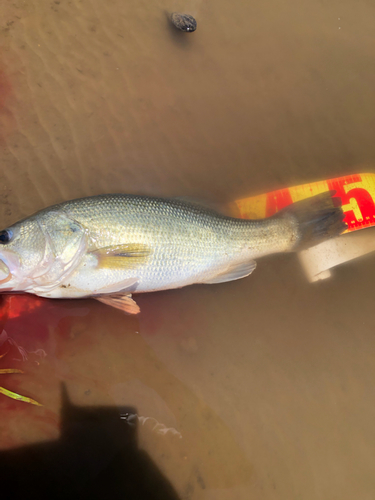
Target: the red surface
pixel 34 338
pixel 277 200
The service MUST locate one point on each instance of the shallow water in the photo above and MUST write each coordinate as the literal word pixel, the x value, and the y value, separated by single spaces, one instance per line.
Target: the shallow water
pixel 263 388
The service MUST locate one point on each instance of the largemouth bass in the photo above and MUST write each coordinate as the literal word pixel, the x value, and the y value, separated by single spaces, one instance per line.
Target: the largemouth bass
pixel 110 246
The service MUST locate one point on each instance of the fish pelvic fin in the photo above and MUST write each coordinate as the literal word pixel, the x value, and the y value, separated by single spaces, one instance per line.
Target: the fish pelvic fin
pixel 123 302
pixel 317 218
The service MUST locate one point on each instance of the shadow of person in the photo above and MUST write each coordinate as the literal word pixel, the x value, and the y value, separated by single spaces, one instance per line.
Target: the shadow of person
pixel 79 339
pixel 96 456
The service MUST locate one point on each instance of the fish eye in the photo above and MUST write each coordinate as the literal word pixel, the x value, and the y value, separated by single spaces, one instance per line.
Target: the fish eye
pixel 5 236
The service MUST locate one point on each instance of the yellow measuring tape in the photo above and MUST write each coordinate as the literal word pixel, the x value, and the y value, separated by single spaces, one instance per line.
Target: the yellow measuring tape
pixel 356 191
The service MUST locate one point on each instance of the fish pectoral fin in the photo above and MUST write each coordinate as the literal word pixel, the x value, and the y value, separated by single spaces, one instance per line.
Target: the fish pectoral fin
pixel 123 302
pixel 124 256
pixel 234 273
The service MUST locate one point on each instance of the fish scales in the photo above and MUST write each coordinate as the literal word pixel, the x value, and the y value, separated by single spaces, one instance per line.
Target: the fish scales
pixel 180 234
pixel 117 244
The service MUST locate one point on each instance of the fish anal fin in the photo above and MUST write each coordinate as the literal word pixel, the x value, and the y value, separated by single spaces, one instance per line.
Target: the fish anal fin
pixel 235 272
pixel 124 256
pixel 123 302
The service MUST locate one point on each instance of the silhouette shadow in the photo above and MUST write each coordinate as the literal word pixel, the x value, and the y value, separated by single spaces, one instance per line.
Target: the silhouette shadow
pixel 96 457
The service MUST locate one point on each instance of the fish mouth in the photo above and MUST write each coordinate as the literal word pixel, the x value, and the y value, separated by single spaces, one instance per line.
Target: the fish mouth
pixel 5 274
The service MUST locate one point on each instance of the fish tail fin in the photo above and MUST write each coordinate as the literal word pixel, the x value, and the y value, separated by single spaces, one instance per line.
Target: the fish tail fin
pixel 316 219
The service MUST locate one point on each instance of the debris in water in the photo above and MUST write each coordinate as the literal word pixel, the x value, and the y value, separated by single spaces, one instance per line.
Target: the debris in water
pixel 184 22
pixel 14 395
pixel 4 371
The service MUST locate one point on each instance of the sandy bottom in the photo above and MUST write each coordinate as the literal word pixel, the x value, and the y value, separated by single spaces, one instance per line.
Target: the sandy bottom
pixel 256 389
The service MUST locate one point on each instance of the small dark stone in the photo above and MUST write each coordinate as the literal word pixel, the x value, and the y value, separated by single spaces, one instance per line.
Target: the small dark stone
pixel 184 22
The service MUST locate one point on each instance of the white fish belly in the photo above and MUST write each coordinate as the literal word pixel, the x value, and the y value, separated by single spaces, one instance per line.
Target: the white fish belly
pixel 160 273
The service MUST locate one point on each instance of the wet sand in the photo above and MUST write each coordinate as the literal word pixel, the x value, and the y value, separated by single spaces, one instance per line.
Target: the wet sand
pixel 269 380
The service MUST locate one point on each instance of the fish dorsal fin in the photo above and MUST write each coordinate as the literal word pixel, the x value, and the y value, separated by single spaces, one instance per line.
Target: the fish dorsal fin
pixel 235 272
pixel 204 204
pixel 125 256
pixel 123 302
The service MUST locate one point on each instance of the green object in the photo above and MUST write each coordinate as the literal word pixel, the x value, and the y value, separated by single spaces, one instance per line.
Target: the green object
pixel 14 395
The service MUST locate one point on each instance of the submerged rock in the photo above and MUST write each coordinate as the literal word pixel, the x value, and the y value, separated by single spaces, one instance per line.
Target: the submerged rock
pixel 184 22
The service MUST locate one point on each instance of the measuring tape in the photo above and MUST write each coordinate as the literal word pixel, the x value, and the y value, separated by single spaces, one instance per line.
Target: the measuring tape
pixel 357 193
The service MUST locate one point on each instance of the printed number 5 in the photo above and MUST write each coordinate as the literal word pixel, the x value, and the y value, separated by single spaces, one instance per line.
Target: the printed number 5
pixel 357 202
